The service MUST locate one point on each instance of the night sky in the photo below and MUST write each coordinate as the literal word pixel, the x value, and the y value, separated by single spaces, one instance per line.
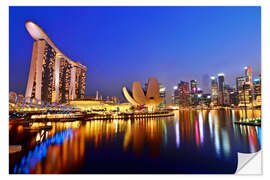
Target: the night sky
pixel 120 45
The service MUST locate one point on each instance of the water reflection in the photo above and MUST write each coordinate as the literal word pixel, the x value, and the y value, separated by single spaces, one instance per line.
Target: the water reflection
pixel 190 135
pixel 177 134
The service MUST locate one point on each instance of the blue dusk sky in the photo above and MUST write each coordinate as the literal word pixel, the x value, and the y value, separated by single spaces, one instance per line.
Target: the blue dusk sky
pixel 120 45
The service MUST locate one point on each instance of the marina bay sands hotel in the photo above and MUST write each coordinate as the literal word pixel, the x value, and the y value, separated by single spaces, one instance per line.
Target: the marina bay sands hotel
pixel 53 77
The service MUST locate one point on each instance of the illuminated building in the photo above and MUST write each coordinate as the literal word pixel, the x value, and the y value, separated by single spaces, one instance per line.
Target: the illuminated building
pixel 97 96
pixel 205 99
pixel 152 97
pixel 183 88
pixel 53 77
pixel 20 99
pixel 244 87
pixel 193 86
pixel 162 92
pixel 200 96
pixel 99 106
pixel 244 94
pixel 193 93
pixel 175 96
pixel 234 98
pixel 226 96
pixel 12 97
pixel 248 73
pixel 221 84
pixel 214 90
pixel 249 83
pixel 257 91
pixel 230 96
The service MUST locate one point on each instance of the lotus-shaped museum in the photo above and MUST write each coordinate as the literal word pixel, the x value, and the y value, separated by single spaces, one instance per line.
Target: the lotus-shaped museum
pixel 151 98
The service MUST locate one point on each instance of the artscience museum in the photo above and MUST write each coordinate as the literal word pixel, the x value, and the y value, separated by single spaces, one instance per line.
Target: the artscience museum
pixel 151 98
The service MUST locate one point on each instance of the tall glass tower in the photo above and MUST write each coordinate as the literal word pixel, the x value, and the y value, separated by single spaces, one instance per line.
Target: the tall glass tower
pixel 214 89
pixel 221 84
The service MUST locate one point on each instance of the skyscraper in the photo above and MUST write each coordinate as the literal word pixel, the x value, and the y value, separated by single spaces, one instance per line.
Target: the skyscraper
pixel 244 94
pixel 162 92
pixel 221 84
pixel 244 86
pixel 221 81
pixel 249 83
pixel 248 73
pixel 175 96
pixel 193 86
pixel 214 89
pixel 234 98
pixel 205 99
pixel 53 77
pixel 183 88
pixel 226 95
pixel 257 91
pixel 193 93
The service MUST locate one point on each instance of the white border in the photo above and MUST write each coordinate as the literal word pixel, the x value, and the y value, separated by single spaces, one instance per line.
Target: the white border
pixel 4 74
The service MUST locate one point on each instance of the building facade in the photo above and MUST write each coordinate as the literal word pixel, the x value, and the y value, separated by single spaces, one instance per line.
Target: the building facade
pixel 234 98
pixel 53 77
pixel 162 92
pixel 214 91
pixel 243 89
pixel 183 88
pixel 221 84
pixel 175 96
pixel 205 99
pixel 257 91
pixel 244 86
pixel 193 93
pixel 12 97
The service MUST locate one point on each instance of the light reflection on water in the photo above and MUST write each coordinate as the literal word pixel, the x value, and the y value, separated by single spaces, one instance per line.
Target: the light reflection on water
pixel 132 146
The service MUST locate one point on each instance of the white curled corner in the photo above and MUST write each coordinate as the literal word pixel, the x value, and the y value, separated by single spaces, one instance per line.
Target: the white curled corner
pixel 249 163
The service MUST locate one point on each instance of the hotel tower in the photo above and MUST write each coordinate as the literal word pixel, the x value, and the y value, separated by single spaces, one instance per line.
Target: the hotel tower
pixel 53 77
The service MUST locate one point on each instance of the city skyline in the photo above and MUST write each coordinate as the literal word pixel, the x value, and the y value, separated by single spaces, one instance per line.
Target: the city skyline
pixel 134 90
pixel 227 46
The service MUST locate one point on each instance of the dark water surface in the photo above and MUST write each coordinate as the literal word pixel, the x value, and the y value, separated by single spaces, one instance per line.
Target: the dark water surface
pixel 190 142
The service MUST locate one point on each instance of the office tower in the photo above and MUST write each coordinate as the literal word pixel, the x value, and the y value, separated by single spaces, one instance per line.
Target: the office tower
pixel 97 96
pixel 53 77
pixel 214 90
pixel 175 96
pixel 193 93
pixel 221 83
pixel 205 99
pixel 199 96
pixel 244 87
pixel 162 92
pixel 257 91
pixel 193 86
pixel 183 88
pixel 226 95
pixel 248 73
pixel 249 83
pixel 234 98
